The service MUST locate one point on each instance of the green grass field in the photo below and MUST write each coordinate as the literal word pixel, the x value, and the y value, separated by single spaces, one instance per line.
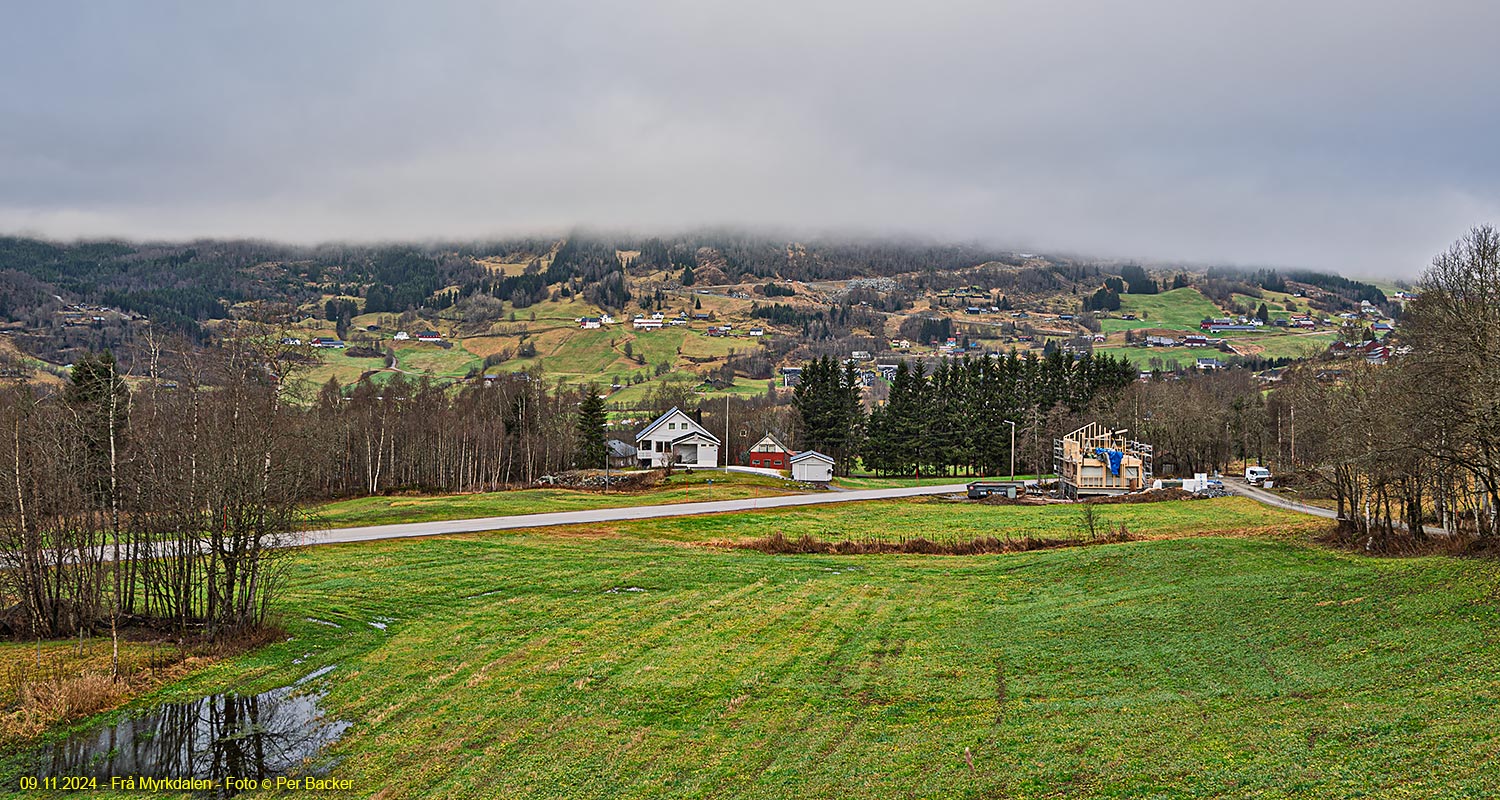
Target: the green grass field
pixel 944 520
pixel 682 487
pixel 528 666
pixel 1180 309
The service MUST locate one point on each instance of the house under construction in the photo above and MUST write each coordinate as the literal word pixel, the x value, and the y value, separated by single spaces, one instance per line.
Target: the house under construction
pixel 1095 460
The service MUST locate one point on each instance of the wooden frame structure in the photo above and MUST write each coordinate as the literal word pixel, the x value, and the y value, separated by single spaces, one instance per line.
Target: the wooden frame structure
pixel 1085 466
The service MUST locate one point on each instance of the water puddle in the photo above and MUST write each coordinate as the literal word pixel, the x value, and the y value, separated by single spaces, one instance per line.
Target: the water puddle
pixel 317 621
pixel 274 733
pixel 617 589
pixel 484 594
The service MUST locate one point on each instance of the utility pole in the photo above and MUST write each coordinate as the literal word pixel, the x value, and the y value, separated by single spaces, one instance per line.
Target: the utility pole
pixel 1012 450
pixel 726 433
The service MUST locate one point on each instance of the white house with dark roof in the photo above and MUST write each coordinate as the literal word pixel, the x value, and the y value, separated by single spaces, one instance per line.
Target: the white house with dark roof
pixel 677 439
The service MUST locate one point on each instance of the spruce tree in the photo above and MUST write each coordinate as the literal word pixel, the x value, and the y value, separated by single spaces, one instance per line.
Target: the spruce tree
pixel 591 422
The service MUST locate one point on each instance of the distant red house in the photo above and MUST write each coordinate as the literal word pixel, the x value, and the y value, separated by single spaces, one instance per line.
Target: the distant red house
pixel 770 453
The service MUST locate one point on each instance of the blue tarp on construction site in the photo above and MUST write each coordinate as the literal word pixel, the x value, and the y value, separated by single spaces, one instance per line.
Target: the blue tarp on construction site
pixel 1113 456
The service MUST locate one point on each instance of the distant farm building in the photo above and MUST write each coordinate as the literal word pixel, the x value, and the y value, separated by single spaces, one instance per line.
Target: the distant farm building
pixel 769 452
pixel 429 336
pixel 620 453
pixel 810 466
pixel 1095 460
pixel 589 323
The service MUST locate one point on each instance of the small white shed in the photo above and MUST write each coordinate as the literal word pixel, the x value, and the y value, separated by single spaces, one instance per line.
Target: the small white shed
pixel 810 466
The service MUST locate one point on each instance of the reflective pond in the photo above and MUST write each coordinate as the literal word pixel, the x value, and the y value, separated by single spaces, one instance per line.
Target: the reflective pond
pixel 274 733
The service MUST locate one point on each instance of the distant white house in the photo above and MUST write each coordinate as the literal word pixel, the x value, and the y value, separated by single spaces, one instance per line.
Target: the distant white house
pixel 643 324
pixel 401 336
pixel 757 332
pixel 429 336
pixel 677 439
pixel 810 466
pixel 589 323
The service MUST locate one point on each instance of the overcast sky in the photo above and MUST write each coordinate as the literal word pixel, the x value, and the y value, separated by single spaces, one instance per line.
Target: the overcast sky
pixel 1356 136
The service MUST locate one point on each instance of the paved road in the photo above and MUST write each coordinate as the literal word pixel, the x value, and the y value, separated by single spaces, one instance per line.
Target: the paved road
pixel 372 532
pixel 1240 487
pixel 1244 489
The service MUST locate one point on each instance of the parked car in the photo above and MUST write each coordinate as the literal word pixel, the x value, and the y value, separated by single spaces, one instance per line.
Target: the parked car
pixel 1256 476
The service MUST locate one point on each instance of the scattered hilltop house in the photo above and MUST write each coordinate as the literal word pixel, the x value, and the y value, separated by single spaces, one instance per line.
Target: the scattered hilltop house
pixel 643 324
pixel 589 323
pixel 1206 362
pixel 901 344
pixel 676 439
pixel 810 466
pixel 1162 341
pixel 860 355
pixel 757 332
pixel 1095 460
pixel 429 336
pixel 605 319
pixel 328 342
pixel 887 371
pixel 401 336
pixel 292 341
pixel 1383 327
pixel 657 315
pixel 770 452
pixel 1195 341
pixel 791 376
pixel 621 454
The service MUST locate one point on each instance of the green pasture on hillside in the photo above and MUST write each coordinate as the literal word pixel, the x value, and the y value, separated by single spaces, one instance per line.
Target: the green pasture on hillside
pixel 1180 309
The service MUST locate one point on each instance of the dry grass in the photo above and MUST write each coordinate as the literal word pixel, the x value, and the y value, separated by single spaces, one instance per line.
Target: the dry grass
pixel 44 684
pixel 779 543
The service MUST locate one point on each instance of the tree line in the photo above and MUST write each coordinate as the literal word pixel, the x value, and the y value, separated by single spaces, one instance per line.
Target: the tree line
pixel 1416 441
pixel 199 476
pixel 953 420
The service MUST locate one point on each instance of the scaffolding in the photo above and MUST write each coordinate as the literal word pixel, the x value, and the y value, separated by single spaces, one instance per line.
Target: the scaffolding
pixel 1095 460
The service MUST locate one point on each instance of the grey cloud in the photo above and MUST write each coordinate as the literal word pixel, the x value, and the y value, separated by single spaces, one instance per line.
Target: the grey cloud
pixel 1350 136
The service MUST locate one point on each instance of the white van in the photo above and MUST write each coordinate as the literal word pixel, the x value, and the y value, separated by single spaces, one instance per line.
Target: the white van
pixel 1256 476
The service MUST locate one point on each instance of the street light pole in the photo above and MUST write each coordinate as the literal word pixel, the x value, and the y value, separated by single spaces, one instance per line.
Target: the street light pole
pixel 1012 450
